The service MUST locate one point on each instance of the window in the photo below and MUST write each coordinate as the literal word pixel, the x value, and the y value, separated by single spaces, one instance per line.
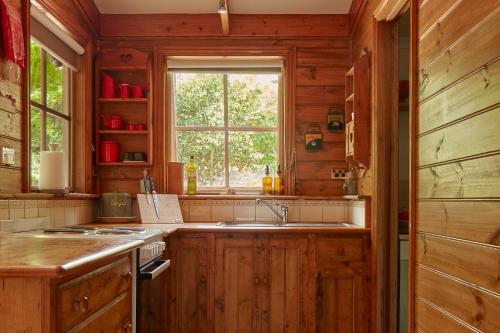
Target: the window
pixel 230 121
pixel 50 114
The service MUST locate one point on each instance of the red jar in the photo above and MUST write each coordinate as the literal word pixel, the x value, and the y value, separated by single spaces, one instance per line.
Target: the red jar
pixel 110 151
pixel 108 86
pixel 114 123
pixel 124 90
pixel 136 91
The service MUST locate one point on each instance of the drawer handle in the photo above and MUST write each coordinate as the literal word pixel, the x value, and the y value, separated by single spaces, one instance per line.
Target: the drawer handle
pixel 127 276
pixel 81 304
pixel 127 328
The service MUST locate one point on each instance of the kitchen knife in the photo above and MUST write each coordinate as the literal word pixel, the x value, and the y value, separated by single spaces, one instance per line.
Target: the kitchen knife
pixel 155 197
pixel 146 187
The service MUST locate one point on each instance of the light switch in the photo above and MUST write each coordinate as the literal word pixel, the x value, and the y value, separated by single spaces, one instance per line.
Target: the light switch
pixel 7 156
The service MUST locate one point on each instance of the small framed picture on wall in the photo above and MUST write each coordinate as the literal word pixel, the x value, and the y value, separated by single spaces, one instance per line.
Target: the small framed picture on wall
pixel 336 122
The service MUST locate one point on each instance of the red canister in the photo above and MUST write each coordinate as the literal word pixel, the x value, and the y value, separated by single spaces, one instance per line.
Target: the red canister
pixel 108 87
pixel 124 90
pixel 110 151
pixel 114 123
pixel 136 91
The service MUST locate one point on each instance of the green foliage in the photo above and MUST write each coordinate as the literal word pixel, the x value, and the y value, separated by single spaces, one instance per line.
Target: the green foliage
pixel 252 103
pixel 56 128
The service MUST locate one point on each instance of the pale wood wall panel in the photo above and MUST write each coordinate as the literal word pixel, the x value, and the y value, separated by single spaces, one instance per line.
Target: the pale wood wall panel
pixel 472 51
pixel 477 92
pixel 433 320
pixel 471 220
pixel 431 11
pixel 477 135
pixel 477 308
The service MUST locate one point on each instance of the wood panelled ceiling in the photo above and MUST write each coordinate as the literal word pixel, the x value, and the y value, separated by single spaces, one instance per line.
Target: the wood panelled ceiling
pixel 211 6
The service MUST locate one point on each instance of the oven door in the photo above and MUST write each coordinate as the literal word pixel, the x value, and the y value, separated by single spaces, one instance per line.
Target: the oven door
pixel 150 291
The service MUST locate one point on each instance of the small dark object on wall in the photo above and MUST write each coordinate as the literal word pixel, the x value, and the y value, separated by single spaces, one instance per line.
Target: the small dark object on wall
pixel 336 122
pixel 314 138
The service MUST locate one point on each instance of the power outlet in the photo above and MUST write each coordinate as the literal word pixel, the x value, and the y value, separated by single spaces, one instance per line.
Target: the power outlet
pixel 338 173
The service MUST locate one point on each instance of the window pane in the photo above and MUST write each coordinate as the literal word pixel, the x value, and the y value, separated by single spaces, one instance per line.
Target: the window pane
pixel 208 150
pixel 57 132
pixel 55 84
pixel 253 100
pixel 35 72
pixel 35 133
pixel 249 153
pixel 199 99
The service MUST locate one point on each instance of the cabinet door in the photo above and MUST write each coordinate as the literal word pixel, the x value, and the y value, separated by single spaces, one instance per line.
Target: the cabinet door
pixel 284 279
pixel 236 284
pixel 189 286
pixel 342 299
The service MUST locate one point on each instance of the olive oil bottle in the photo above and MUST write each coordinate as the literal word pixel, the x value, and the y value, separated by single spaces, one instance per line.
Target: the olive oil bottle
pixel 191 176
pixel 279 186
pixel 267 183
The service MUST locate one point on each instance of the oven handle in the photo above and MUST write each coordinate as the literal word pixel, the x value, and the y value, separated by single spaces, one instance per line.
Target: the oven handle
pixel 155 268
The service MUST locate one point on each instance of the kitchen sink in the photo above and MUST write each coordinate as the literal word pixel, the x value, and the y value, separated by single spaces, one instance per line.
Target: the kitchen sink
pixel 259 225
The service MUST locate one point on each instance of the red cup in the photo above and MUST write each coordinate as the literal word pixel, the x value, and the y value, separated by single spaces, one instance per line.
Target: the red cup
pixel 110 151
pixel 137 92
pixel 108 87
pixel 124 90
pixel 140 127
pixel 131 127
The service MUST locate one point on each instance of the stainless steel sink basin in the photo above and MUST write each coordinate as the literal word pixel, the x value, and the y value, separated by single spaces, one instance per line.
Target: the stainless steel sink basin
pixel 259 225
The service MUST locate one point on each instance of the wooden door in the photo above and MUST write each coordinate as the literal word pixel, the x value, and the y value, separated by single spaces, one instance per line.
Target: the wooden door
pixel 455 239
pixel 236 285
pixel 284 276
pixel 340 302
pixel 189 288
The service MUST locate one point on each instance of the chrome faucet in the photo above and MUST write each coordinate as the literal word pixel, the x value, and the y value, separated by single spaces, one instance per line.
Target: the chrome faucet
pixel 282 213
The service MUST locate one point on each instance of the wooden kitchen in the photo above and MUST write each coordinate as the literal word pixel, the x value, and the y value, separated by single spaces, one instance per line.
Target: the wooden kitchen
pixel 242 166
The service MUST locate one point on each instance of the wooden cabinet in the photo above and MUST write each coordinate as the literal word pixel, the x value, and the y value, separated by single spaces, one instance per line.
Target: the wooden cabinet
pixel 248 282
pixel 189 283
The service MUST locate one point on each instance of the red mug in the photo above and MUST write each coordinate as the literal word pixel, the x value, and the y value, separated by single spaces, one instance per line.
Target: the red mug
pixel 131 127
pixel 108 86
pixel 137 92
pixel 124 90
pixel 110 151
pixel 140 127
pixel 114 123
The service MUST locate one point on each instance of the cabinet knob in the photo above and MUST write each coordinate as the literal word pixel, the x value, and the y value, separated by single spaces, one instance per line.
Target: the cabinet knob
pixel 257 280
pixel 81 304
pixel 264 281
pixel 127 276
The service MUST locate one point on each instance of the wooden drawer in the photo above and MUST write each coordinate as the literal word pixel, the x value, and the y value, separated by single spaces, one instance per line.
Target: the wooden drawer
pixel 339 249
pixel 114 318
pixel 79 298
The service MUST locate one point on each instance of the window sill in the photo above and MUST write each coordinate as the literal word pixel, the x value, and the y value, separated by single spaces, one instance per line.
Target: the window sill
pixel 48 196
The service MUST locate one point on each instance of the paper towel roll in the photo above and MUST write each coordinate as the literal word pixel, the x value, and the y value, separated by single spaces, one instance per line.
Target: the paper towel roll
pixel 52 171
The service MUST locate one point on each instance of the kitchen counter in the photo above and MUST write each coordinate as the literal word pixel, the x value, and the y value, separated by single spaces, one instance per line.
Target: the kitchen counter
pixel 169 229
pixel 28 255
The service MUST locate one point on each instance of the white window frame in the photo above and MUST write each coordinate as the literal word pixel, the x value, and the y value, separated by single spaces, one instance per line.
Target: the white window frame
pixel 45 110
pixel 226 128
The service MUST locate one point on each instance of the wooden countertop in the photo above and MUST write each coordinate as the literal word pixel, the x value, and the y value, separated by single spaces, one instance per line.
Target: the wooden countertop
pixel 53 257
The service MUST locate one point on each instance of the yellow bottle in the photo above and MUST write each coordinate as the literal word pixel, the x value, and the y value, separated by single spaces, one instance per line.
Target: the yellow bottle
pixel 191 176
pixel 279 186
pixel 267 183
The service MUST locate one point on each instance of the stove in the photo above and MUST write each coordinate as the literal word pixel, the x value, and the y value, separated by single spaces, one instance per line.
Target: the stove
pixel 149 262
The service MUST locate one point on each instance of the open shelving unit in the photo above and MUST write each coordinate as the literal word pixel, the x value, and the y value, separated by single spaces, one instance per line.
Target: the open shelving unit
pixel 133 67
pixel 358 111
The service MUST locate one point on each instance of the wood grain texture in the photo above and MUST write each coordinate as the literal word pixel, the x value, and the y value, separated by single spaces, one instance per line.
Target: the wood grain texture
pixel 477 135
pixel 475 178
pixel 433 320
pixel 163 25
pixel 320 76
pixel 476 307
pixel 431 11
pixel 475 263
pixel 445 32
pixel 462 57
pixel 470 220
pixel 476 92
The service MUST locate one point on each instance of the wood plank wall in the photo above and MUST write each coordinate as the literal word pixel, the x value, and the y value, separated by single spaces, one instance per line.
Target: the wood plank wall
pixel 322 58
pixel 457 244
pixel 10 121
